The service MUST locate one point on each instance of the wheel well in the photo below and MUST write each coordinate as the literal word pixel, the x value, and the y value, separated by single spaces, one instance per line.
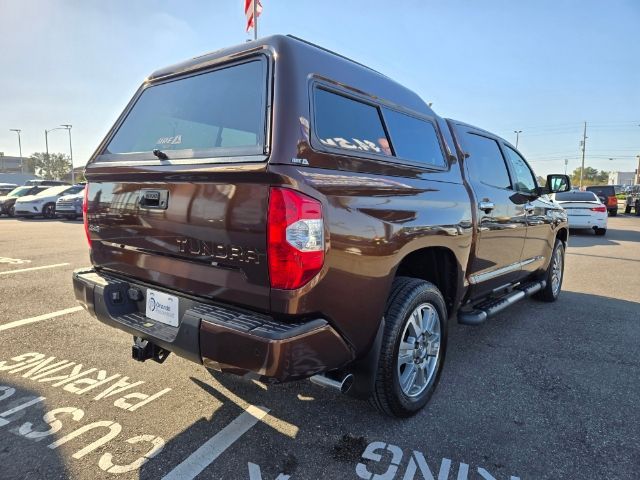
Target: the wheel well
pixel 563 235
pixel 437 265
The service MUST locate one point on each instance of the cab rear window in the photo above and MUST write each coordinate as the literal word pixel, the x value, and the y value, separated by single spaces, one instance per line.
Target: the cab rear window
pixel 214 114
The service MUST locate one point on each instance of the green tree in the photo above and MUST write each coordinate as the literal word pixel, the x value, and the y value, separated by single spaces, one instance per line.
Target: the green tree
pixel 591 176
pixel 52 167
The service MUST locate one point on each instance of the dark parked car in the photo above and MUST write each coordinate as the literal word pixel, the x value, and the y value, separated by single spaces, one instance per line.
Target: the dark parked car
pixel 7 203
pixel 607 195
pixel 5 188
pixel 309 217
pixel 633 200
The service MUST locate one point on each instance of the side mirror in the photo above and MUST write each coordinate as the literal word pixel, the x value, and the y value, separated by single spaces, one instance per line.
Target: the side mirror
pixel 557 183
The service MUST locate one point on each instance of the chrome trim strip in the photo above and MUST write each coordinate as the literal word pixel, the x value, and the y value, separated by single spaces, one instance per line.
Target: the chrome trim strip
pixel 483 277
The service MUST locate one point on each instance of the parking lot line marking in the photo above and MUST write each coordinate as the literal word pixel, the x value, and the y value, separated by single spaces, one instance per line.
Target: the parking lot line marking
pixel 39 318
pixel 20 270
pixel 216 445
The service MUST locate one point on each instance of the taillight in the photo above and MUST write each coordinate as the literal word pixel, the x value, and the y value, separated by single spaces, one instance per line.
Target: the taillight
pixel 612 201
pixel 599 209
pixel 85 205
pixel 295 238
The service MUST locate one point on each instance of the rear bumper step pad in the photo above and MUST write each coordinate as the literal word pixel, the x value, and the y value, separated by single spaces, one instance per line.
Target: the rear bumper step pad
pixel 488 308
pixel 222 337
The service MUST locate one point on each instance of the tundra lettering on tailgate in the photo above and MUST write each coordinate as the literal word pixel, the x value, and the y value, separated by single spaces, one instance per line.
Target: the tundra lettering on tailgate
pixel 193 246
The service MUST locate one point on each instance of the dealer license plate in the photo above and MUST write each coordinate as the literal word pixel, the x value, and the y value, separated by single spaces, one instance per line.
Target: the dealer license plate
pixel 162 308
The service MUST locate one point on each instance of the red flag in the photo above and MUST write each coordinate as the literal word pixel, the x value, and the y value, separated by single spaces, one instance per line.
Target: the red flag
pixel 248 11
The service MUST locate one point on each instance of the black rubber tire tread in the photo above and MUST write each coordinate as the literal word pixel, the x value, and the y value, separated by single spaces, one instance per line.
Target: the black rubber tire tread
pixel 546 294
pixel 404 293
pixel 613 213
pixel 601 232
pixel 49 215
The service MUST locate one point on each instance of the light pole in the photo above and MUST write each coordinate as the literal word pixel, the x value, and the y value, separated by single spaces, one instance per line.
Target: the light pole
pixel 17 130
pixel 46 141
pixel 583 144
pixel 68 127
pixel 517 132
pixel 566 162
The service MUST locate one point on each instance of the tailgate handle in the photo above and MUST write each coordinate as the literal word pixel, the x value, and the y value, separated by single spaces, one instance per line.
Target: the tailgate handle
pixel 154 199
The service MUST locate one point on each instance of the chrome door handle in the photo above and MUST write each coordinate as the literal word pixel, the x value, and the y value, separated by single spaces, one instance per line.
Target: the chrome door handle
pixel 486 206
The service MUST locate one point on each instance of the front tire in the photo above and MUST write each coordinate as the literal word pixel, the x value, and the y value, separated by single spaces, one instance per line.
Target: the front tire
pixel 554 275
pixel 12 211
pixel 49 211
pixel 413 347
pixel 601 231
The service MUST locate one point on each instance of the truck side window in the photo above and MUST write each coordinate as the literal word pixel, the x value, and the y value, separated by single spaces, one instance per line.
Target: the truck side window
pixel 485 161
pixel 342 122
pixel 524 178
pixel 413 138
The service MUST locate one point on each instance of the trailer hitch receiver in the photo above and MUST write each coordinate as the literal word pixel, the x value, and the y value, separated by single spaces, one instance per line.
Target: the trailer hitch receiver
pixel 144 350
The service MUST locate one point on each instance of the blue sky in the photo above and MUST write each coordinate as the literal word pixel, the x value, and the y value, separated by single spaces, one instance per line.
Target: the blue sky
pixel 542 67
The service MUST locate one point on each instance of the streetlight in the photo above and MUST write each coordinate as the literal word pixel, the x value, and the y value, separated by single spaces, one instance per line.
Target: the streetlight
pixel 17 130
pixel 46 141
pixel 517 132
pixel 68 127
pixel 566 162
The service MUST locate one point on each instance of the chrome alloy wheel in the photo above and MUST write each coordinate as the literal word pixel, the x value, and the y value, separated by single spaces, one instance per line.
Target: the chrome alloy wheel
pixel 556 271
pixel 419 351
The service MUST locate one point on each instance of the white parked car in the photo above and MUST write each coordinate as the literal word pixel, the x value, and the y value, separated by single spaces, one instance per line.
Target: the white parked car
pixel 584 209
pixel 70 206
pixel 44 203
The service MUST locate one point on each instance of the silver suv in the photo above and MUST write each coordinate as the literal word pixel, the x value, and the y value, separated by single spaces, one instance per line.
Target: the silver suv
pixel 633 200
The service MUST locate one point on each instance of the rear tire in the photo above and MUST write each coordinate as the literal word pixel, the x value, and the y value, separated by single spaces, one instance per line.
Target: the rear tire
pixel 613 213
pixel 554 275
pixel 413 347
pixel 601 231
pixel 637 208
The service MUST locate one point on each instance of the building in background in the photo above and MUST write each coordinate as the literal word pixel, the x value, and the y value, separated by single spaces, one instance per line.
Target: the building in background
pixel 17 178
pixel 621 178
pixel 11 164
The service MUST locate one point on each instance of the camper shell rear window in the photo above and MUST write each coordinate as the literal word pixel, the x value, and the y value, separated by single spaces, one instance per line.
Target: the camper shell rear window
pixel 217 113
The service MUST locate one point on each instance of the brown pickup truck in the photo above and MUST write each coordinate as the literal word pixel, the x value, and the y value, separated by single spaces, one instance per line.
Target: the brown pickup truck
pixel 278 210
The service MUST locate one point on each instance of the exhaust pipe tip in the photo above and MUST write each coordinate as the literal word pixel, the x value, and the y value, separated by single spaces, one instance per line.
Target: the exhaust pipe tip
pixel 342 384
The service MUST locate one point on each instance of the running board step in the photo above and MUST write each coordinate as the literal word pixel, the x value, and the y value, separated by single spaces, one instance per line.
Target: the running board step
pixel 488 308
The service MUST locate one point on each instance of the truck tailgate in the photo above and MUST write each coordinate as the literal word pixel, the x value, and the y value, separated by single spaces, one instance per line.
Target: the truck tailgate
pixel 205 238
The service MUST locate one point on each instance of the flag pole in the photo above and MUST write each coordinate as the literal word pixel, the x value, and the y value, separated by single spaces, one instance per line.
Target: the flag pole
pixel 255 19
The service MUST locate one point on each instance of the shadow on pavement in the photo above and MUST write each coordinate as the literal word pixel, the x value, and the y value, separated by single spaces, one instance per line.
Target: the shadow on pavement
pixel 22 457
pixel 543 391
pixel 586 238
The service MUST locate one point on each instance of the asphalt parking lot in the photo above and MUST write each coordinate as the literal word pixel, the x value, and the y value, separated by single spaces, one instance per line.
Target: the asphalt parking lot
pixel 541 391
